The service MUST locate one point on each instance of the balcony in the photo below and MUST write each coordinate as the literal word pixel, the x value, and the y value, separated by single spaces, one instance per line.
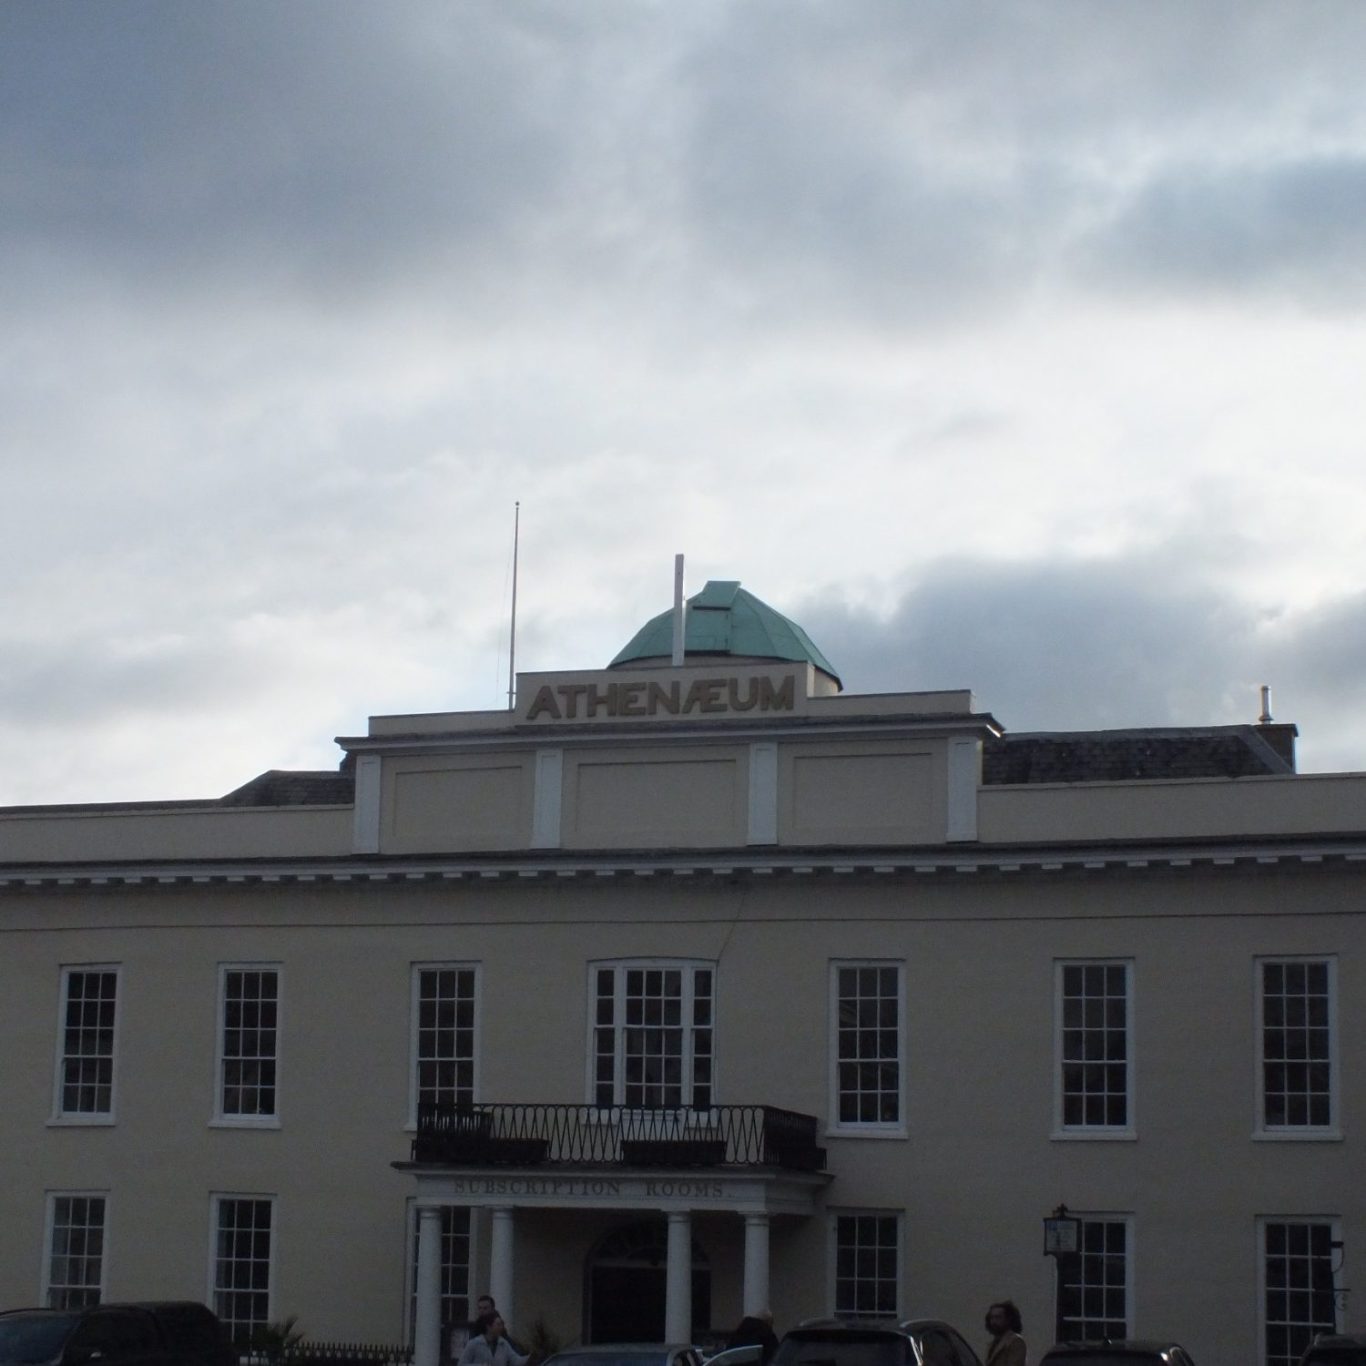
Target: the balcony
pixel 598 1136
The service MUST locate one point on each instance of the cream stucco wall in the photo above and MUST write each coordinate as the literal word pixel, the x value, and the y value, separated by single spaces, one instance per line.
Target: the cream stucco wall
pixel 975 1171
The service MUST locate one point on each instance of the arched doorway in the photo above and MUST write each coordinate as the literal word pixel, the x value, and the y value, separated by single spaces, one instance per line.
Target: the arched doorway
pixel 625 1286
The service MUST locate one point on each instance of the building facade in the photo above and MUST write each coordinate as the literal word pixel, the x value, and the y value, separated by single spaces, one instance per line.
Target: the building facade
pixel 681 990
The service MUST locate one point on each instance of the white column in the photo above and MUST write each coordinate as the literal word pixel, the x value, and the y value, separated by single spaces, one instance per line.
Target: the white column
pixel 427 1325
pixel 500 1264
pixel 756 1264
pixel 678 1282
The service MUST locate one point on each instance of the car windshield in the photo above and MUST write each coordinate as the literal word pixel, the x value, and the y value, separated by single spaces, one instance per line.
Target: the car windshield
pixel 847 1348
pixel 27 1339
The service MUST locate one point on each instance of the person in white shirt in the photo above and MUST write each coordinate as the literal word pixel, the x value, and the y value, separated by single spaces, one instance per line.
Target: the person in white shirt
pixel 489 1345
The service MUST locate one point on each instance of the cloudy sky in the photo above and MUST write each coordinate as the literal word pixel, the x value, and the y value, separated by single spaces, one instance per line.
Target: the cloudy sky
pixel 1014 347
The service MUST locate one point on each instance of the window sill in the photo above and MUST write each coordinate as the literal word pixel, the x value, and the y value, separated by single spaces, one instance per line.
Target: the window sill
pixel 81 1122
pixel 1094 1135
pixel 1305 1135
pixel 245 1122
pixel 898 1131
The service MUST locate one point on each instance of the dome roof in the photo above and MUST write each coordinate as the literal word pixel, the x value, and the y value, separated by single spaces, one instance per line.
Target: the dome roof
pixel 724 619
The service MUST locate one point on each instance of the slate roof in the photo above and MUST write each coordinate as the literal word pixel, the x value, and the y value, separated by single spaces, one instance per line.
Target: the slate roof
pixel 1088 756
pixel 725 619
pixel 294 787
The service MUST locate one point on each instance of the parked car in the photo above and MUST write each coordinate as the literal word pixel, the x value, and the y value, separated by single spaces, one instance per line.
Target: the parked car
pixel 160 1333
pixel 1116 1352
pixel 628 1354
pixel 748 1355
pixel 837 1342
pixel 1332 1349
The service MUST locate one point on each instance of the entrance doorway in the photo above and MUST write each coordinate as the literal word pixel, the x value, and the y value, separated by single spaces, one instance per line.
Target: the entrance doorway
pixel 626 1285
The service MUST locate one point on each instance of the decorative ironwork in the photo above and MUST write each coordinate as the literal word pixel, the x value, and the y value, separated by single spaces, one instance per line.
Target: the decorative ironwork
pixel 592 1135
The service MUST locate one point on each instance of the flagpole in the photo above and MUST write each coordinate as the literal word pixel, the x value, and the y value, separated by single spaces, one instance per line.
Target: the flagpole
pixel 512 634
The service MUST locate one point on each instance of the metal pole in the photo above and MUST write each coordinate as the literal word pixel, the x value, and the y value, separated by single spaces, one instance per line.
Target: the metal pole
pixel 512 634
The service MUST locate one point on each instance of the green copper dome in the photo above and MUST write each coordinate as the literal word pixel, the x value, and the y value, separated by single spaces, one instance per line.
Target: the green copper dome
pixel 723 619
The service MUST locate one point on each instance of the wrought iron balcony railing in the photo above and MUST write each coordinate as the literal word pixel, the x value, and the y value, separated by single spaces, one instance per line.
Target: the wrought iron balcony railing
pixel 591 1135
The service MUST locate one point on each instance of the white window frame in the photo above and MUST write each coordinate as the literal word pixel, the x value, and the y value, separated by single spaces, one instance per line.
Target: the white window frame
pixel 216 1201
pixel 1334 1224
pixel 620 967
pixel 229 1120
pixel 49 1237
pixel 414 1088
pixel 410 1272
pixel 61 1115
pixel 832 1260
pixel 1130 1260
pixel 1128 1131
pixel 867 1128
pixel 1303 1133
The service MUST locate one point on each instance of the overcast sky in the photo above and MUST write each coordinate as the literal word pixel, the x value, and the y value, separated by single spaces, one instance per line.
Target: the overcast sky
pixel 1013 347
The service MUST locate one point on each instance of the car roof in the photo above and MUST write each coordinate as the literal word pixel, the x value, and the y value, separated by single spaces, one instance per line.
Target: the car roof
pixel 1115 1345
pixel 588 1349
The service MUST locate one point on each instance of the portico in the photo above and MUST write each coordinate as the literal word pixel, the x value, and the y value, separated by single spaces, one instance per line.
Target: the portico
pixel 754 1197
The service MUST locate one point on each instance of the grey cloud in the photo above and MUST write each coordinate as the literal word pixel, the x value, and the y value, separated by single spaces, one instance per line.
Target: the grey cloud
pixel 1045 646
pixel 269 142
pixel 1292 230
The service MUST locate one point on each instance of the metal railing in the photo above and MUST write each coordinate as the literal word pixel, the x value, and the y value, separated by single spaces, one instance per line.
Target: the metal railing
pixel 592 1135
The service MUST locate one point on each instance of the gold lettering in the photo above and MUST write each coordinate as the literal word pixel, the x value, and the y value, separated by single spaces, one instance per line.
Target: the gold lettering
pixel 751 695
pixel 545 701
pixel 631 699
pixel 777 699
pixel 571 692
pixel 661 698
pixel 604 700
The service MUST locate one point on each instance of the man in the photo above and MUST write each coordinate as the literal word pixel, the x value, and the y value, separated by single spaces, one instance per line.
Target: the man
pixel 488 1346
pixel 756 1330
pixel 1007 1347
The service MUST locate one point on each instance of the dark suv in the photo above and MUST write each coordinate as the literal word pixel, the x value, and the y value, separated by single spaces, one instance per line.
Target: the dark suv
pixel 1335 1350
pixel 835 1342
pixel 1116 1352
pixel 160 1333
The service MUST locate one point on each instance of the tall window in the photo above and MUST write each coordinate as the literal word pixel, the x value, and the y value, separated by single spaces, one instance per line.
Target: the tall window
pixel 1094 1033
pixel 867 1012
pixel 867 1264
pixel 85 1064
pixel 652 1035
pixel 1295 1035
pixel 455 1272
pixel 1298 1299
pixel 249 1038
pixel 74 1265
pixel 1093 1283
pixel 444 1012
pixel 242 1259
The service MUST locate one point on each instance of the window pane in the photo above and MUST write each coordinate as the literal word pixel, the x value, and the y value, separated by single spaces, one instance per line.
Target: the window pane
pixel 87 1063
pixel 1094 1030
pixel 1296 1042
pixel 445 1036
pixel 867 1014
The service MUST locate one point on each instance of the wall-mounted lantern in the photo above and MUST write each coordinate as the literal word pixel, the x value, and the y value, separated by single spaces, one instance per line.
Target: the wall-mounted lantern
pixel 1061 1233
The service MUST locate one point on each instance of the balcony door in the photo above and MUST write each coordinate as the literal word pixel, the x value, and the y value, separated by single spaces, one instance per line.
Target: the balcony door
pixel 626 1285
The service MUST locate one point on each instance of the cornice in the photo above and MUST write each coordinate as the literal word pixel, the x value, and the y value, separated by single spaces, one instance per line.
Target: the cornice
pixel 952 861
